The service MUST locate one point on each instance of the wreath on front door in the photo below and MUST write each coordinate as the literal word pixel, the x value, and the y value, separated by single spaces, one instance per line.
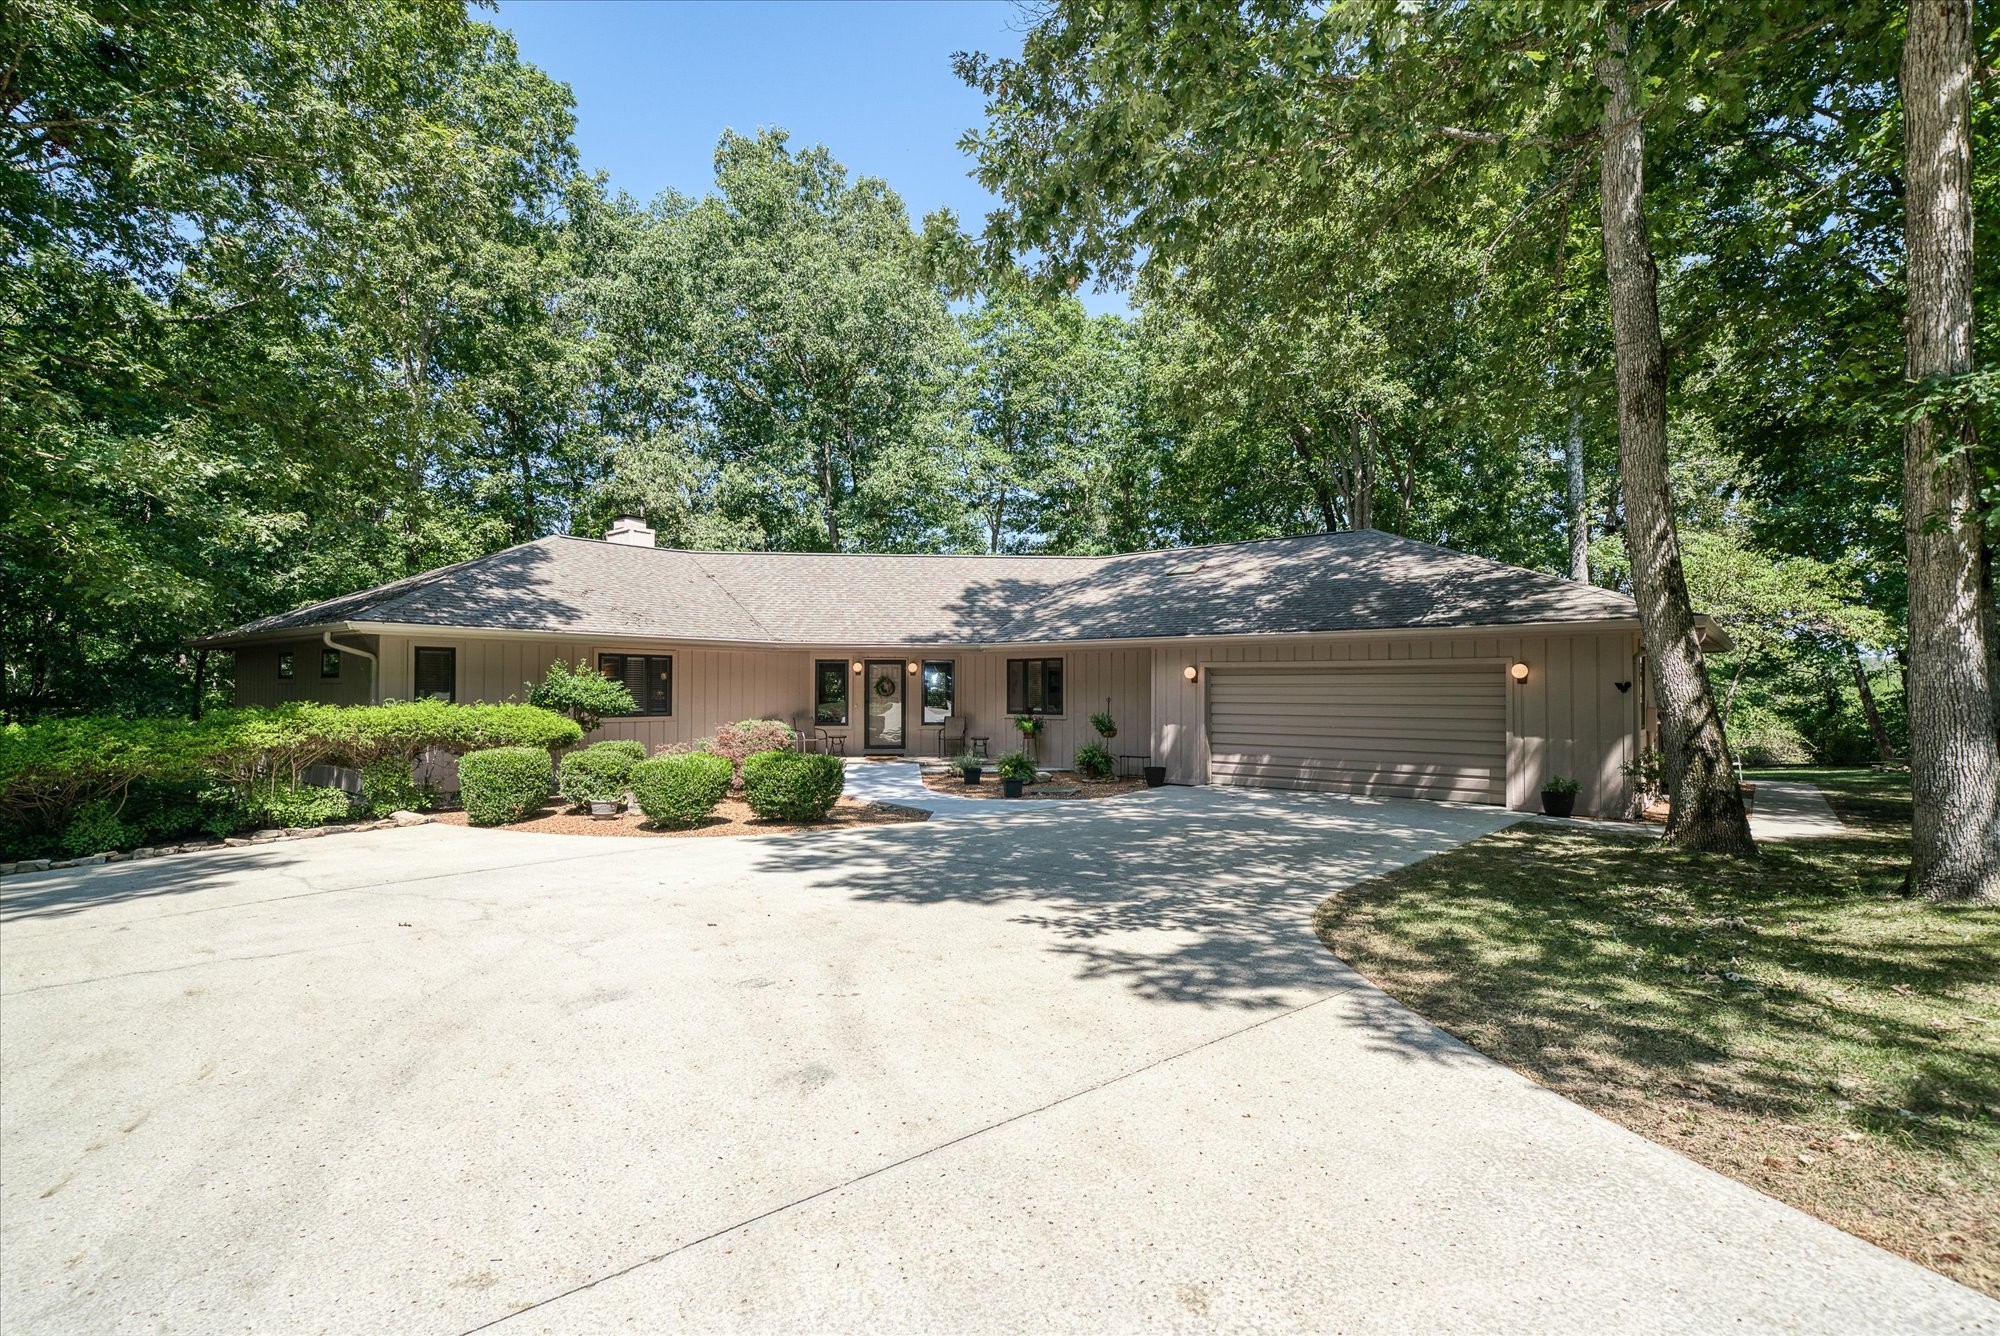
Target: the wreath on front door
pixel 885 687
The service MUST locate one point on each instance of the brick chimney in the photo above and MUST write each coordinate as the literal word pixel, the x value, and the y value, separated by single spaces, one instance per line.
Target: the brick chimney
pixel 630 530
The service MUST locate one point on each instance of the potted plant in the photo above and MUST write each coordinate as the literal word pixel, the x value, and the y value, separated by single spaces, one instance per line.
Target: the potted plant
pixel 1030 727
pixel 1559 795
pixel 1106 726
pixel 1016 771
pixel 969 764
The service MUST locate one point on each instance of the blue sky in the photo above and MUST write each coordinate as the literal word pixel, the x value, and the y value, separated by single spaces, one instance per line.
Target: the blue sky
pixel 656 85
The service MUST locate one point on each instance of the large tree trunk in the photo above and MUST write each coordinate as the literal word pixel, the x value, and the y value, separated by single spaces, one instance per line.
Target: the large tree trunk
pixel 1954 765
pixel 1869 711
pixel 1579 499
pixel 1705 811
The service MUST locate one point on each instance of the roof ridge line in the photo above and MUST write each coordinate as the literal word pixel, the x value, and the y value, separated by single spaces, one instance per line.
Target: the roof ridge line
pixel 724 590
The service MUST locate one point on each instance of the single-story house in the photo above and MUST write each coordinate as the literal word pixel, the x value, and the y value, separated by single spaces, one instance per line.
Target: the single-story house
pixel 1353 662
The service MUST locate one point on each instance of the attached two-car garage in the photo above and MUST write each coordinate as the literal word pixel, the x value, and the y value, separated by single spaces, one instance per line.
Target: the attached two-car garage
pixel 1407 731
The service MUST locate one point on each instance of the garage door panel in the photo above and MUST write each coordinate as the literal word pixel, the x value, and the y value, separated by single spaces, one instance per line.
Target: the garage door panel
pixel 1400 732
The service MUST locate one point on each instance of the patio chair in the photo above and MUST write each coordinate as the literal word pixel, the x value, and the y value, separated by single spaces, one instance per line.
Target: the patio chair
pixel 951 736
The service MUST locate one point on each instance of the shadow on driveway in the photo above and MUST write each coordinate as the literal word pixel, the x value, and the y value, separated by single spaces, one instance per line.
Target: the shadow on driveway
pixel 1197 896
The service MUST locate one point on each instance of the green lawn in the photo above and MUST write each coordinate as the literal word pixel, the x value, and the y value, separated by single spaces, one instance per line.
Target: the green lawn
pixel 1791 1021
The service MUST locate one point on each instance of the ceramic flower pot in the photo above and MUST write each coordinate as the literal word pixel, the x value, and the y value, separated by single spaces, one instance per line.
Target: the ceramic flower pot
pixel 1156 775
pixel 1558 804
pixel 1012 787
pixel 603 808
pixel 971 774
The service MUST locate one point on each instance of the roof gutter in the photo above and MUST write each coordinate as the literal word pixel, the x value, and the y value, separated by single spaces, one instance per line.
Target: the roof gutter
pixel 374 664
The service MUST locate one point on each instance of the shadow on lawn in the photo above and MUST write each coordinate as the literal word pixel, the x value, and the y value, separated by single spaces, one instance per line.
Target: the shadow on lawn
pixel 1195 897
pixel 1793 982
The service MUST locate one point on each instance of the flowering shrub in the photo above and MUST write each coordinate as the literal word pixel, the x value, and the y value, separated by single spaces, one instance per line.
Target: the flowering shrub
pixel 737 742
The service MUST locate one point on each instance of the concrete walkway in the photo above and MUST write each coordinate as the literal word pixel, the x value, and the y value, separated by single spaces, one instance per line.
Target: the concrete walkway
pixel 1789 809
pixel 1048 1066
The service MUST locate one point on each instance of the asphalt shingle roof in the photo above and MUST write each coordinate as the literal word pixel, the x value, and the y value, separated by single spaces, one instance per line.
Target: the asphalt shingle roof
pixel 1361 581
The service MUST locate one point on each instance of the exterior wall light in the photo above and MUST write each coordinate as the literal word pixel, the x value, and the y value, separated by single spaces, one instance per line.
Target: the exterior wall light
pixel 1519 672
pixel 912 666
pixel 1191 673
pixel 856 665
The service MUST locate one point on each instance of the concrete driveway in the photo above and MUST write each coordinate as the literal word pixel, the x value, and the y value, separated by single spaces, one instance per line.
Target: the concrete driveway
pixel 1046 1066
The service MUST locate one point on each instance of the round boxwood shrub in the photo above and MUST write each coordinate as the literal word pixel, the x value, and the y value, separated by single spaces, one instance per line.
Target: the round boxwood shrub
pixel 679 791
pixel 502 784
pixel 599 773
pixel 793 786
pixel 626 747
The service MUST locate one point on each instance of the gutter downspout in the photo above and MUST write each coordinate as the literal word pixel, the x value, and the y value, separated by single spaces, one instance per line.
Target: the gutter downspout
pixel 374 665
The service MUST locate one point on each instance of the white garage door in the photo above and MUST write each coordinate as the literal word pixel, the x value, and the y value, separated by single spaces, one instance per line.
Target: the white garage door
pixel 1405 732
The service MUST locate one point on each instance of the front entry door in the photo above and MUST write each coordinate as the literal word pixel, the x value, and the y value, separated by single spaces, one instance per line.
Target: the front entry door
pixel 884 731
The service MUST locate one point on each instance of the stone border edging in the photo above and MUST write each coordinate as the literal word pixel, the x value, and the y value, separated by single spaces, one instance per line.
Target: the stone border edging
pixel 273 836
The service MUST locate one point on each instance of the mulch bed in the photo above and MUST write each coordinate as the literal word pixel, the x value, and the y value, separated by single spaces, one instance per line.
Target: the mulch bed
pixel 731 817
pixel 1071 784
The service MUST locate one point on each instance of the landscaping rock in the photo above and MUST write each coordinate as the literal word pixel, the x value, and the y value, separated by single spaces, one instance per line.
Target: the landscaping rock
pixel 114 856
pixel 235 842
pixel 6 868
pixel 144 851
pixel 32 865
pixel 409 818
pixel 61 863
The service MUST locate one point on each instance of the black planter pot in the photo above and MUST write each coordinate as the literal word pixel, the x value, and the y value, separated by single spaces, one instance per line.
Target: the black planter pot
pixel 1012 787
pixel 1156 775
pixel 1558 804
pixel 970 774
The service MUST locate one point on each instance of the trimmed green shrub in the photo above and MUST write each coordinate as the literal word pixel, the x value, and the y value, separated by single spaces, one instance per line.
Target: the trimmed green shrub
pixel 1095 760
pixel 1016 765
pixel 51 770
pixel 502 784
pixel 600 773
pixel 389 786
pixel 679 791
pixel 298 805
pixel 622 746
pixel 793 786
pixel 586 696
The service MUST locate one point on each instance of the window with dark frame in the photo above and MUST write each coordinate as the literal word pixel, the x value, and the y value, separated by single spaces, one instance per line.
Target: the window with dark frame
pixel 830 692
pixel 649 677
pixel 940 686
pixel 329 663
pixel 285 665
pixel 437 673
pixel 1034 686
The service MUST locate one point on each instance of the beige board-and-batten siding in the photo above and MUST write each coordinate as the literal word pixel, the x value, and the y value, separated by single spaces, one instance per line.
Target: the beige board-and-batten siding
pixel 715 686
pixel 1569 718
pixel 258 683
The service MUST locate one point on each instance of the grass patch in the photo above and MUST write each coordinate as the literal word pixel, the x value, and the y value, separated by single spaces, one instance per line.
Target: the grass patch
pixel 1791 1021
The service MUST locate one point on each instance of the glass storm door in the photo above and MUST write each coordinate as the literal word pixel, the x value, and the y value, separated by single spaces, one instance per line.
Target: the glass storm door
pixel 885 706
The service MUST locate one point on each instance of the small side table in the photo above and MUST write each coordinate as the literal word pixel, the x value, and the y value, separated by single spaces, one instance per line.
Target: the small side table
pixel 836 744
pixel 979 745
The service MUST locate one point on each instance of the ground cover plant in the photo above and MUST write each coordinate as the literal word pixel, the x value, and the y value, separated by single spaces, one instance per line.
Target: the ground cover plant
pixel 1793 1020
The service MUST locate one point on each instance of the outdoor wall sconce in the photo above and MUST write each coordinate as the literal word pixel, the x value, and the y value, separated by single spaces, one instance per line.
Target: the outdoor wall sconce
pixel 912 666
pixel 1622 686
pixel 1191 673
pixel 1519 672
pixel 856 665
